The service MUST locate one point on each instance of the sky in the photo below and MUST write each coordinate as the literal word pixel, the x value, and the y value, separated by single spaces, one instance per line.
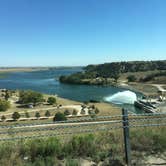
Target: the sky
pixel 81 32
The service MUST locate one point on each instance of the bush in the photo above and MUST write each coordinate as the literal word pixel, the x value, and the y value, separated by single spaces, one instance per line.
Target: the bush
pixel 67 112
pixel 3 117
pixel 4 105
pixel 7 95
pixel 59 117
pixel 81 146
pixel 51 100
pixel 37 115
pixel 131 78
pixel 47 113
pixel 44 148
pixel 74 112
pixel 92 106
pixel 15 116
pixel 96 111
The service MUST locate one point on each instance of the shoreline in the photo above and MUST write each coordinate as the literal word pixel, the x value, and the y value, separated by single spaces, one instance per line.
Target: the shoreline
pixel 21 69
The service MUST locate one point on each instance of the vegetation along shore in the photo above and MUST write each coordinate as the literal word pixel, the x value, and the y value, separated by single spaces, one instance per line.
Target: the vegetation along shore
pixel 137 75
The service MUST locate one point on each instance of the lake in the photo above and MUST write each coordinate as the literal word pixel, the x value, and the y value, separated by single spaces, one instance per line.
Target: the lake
pixel 47 81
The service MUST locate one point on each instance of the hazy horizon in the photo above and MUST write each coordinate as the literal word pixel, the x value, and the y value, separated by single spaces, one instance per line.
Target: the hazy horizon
pixel 49 66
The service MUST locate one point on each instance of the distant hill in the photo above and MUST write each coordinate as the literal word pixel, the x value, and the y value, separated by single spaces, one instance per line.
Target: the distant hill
pixel 99 74
pixel 107 69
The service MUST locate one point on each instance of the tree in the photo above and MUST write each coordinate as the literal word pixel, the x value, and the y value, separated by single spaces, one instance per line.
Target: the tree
pixel 116 76
pixel 7 95
pixel 29 96
pixel 37 115
pixel 47 113
pixel 96 111
pixel 59 117
pixel 27 115
pixel 131 78
pixel 74 112
pixel 15 116
pixel 67 112
pixel 3 118
pixel 4 105
pixel 92 106
pixel 51 100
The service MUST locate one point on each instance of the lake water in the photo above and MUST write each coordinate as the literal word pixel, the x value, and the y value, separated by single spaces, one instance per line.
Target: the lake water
pixel 47 82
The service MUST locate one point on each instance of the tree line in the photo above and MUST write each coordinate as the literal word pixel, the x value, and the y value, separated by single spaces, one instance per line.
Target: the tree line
pixel 112 70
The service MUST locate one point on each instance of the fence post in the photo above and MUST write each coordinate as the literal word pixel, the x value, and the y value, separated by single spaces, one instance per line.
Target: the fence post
pixel 126 137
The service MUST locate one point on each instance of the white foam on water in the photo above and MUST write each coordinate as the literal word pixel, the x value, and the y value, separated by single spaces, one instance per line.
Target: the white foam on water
pixel 125 97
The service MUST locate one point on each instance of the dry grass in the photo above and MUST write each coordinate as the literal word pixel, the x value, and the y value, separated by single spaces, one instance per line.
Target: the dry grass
pixel 159 80
pixel 138 75
pixel 146 89
pixel 107 109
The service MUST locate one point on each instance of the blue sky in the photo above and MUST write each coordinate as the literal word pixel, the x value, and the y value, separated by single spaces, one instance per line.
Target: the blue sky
pixel 81 32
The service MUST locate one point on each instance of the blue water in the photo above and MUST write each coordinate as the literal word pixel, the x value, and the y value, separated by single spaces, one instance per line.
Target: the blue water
pixel 47 82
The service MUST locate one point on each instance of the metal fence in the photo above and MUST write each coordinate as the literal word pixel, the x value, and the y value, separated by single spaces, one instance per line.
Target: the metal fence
pixel 84 125
pixel 100 123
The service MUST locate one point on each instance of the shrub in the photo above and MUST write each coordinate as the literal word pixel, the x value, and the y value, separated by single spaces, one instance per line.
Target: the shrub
pixel 131 78
pixel 51 100
pixel 81 146
pixel 92 106
pixel 37 115
pixel 4 105
pixel 3 117
pixel 47 113
pixel 59 117
pixel 7 95
pixel 96 111
pixel 67 112
pixel 15 116
pixel 74 112
pixel 43 148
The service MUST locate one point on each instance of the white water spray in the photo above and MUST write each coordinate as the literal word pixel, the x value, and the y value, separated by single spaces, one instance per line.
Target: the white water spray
pixel 125 97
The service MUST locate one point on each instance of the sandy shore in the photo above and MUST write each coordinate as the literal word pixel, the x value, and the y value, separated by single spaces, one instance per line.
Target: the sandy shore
pixel 21 69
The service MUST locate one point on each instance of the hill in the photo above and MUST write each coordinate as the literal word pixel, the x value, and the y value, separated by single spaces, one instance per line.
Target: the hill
pixel 109 73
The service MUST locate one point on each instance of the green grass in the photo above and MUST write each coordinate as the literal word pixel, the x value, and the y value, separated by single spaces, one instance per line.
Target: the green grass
pixel 96 147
